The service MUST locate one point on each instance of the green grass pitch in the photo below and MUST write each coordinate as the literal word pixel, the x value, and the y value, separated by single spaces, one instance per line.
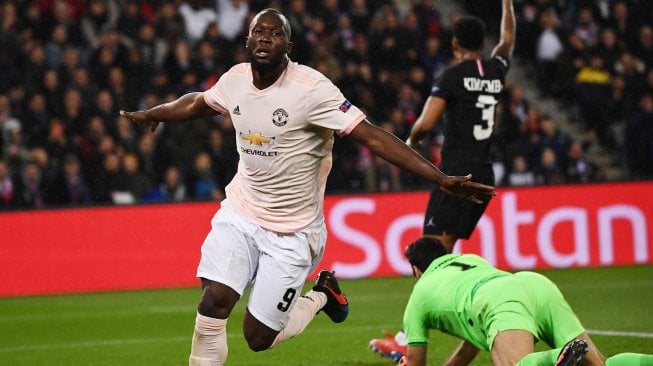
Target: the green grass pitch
pixel 154 327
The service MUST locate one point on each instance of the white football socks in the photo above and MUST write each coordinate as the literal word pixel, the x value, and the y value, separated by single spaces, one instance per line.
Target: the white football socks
pixel 400 338
pixel 209 347
pixel 301 314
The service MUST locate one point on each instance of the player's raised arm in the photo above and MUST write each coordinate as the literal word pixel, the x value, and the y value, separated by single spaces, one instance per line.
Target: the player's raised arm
pixel 433 109
pixel 187 107
pixel 508 29
pixel 387 146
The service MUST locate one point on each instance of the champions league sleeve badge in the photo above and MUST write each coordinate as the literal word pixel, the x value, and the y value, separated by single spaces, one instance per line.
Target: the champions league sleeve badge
pixel 344 107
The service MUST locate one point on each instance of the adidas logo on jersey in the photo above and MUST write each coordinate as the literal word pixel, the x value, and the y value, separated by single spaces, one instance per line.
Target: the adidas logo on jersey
pixel 236 111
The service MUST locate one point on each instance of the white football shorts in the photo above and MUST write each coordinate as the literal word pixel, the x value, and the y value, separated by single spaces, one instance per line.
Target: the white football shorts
pixel 237 252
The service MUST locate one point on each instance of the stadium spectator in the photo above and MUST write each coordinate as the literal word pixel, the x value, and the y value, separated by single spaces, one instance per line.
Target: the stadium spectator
pixel 232 15
pixel 105 108
pixel 154 50
pixel 360 15
pixel 6 185
pixel 434 59
pixel 179 61
pixel 30 190
pixel 592 94
pixel 633 70
pixel 131 19
pixel 81 81
pixel 14 148
pixel 153 161
pixel 169 24
pixel 48 166
pixel 33 21
pixel 73 116
pixel 7 119
pixel 203 183
pixel 206 59
pixel 639 139
pixel 57 144
pixel 66 13
pixel 549 169
pixel 429 18
pixel 300 21
pixel 609 49
pixel 223 47
pixel 53 92
pixel 586 27
pixel 34 67
pixel 172 189
pixel 644 48
pixel 197 16
pixel 100 18
pixel 125 134
pixel 55 47
pixel 549 48
pixel 550 136
pixel 496 311
pixel 69 186
pixel 106 189
pixel 622 21
pixel 578 169
pixel 514 114
pixel 223 156
pixel 520 173
pixel 387 41
pixel 262 202
pixel 344 39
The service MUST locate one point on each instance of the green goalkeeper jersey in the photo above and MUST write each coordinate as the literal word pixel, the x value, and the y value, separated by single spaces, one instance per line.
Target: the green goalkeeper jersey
pixel 442 299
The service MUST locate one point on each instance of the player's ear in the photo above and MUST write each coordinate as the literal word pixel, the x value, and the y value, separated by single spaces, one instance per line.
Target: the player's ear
pixel 417 272
pixel 289 48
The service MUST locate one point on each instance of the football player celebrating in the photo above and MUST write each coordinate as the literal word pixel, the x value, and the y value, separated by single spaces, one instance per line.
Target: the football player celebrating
pixel 270 230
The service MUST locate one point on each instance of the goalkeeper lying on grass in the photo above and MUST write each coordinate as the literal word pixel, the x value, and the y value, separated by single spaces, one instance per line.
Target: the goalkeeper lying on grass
pixel 494 310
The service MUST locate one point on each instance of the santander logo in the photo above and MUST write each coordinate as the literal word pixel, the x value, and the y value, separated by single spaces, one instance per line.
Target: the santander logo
pixel 532 228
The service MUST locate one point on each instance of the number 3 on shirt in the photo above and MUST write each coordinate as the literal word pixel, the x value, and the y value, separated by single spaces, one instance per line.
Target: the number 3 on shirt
pixel 486 103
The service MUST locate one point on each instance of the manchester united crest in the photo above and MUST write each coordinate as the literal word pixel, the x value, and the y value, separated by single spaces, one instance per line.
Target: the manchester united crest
pixel 280 117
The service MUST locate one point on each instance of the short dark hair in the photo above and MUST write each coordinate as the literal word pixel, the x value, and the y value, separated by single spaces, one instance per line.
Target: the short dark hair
pixel 423 251
pixel 469 32
pixel 285 24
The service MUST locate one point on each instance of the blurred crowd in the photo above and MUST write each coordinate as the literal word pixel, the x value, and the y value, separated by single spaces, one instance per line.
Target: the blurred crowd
pixel 68 66
pixel 595 57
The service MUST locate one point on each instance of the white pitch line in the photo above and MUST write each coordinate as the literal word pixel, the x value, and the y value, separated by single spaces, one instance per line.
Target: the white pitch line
pixel 616 333
pixel 121 342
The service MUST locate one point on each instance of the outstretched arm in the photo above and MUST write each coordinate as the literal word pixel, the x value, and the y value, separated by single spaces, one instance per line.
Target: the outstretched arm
pixel 507 42
pixel 186 107
pixel 387 146
pixel 463 355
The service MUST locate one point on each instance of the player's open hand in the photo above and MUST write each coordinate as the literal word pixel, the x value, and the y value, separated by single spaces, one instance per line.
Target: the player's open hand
pixel 140 117
pixel 464 187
